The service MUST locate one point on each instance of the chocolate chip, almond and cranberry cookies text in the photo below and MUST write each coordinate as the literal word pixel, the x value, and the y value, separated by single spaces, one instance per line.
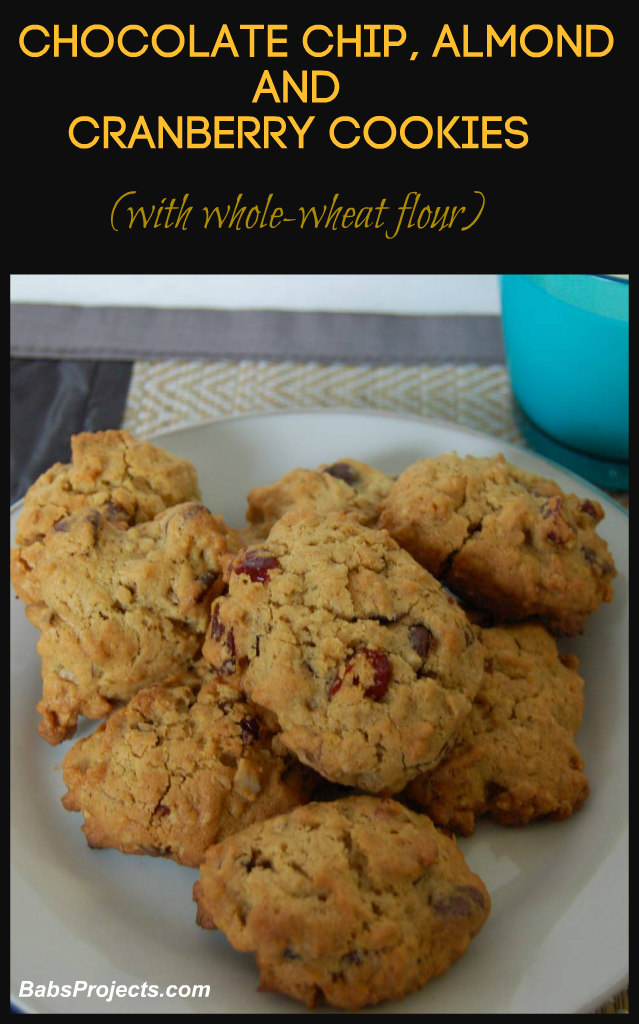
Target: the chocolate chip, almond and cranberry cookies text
pixel 300 704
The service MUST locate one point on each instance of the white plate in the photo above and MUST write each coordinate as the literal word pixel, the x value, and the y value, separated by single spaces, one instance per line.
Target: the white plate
pixel 556 940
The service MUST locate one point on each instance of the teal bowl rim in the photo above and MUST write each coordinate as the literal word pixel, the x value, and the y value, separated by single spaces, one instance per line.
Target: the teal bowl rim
pixel 615 280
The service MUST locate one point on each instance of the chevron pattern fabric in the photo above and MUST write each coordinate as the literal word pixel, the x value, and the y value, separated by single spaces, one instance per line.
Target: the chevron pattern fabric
pixel 167 394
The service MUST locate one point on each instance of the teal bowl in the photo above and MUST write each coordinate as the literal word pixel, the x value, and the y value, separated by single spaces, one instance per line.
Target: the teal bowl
pixel 566 342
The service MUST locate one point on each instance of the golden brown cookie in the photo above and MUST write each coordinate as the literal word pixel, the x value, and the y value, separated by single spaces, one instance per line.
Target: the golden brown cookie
pixel 346 485
pixel 126 479
pixel 365 660
pixel 514 758
pixel 118 609
pixel 503 539
pixel 180 768
pixel 349 903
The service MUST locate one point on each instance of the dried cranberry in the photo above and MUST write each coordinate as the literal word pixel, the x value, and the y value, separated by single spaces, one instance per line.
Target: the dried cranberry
pixel 342 471
pixel 381 675
pixel 421 639
pixel 256 566
pixel 338 680
pixel 161 810
pixel 335 685
pixel 62 526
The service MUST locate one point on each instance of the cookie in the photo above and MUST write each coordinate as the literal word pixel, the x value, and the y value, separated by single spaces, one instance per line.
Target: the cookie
pixel 365 660
pixel 345 485
pixel 179 769
pixel 503 539
pixel 514 758
pixel 118 609
pixel 349 903
pixel 128 480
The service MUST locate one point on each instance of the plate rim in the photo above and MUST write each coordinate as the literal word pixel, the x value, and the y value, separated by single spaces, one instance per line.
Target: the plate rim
pixel 381 413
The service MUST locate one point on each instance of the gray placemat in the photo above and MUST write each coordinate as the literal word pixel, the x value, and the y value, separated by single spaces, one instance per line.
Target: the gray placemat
pixel 52 399
pixel 100 332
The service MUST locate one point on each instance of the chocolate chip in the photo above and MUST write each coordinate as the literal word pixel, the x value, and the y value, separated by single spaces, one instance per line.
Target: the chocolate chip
pixel 94 517
pixel 492 790
pixel 162 810
pixel 207 579
pixel 460 902
pixel 113 511
pixel 256 861
pixel 191 511
pixel 605 567
pixel 219 633
pixel 552 507
pixel 290 954
pixel 217 627
pixel 452 907
pixel 250 730
pixel 590 509
pixel 342 471
pixel 421 640
pixel 251 862
pixel 555 538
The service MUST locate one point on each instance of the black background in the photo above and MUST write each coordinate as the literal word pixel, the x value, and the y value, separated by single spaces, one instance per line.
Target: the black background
pixel 562 203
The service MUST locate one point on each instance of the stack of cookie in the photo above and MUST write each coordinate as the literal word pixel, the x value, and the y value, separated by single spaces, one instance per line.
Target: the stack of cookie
pixel 381 646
